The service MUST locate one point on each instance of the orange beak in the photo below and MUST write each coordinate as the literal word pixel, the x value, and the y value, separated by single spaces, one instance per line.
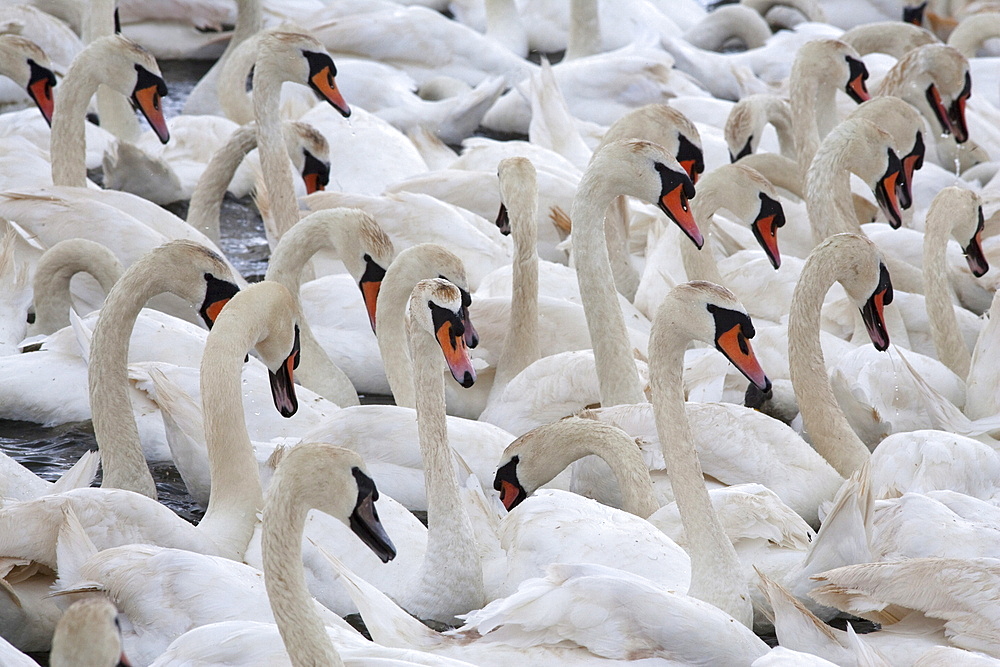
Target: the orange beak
pixel 322 73
pixel 956 113
pixel 40 89
pixel 675 191
pixel 456 354
pixel 765 228
pixel 974 250
pixel 283 382
pixel 370 284
pixel 888 191
pixel 217 295
pixel 856 88
pixel 737 349
pixel 315 173
pixel 873 311
pixel 148 89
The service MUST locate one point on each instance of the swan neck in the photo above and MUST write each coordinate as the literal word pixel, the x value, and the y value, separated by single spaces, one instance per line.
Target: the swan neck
pixel 114 424
pixel 783 172
pixel 271 146
pixel 616 372
pixel 301 628
pixel 390 323
pixel 53 275
pixel 829 202
pixel 206 200
pixel 824 421
pixel 236 493
pixel 948 341
pixel 700 264
pixel 715 569
pixel 69 143
pixel 521 347
pixel 584 37
pixel 452 568
pixel 232 94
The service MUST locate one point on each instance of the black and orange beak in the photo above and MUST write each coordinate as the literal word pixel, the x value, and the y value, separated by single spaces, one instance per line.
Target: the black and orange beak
pixel 956 112
pixel 370 284
pixel 149 88
pixel 503 220
pixel 449 331
pixel 217 294
pixel 690 158
pixel 746 150
pixel 914 160
pixel 889 188
pixel 765 228
pixel 322 73
pixel 512 493
pixel 315 173
pixel 40 85
pixel 914 15
pixel 872 312
pixel 933 98
pixel 733 331
pixel 364 521
pixel 283 381
pixel 856 80
pixel 676 190
pixel 974 250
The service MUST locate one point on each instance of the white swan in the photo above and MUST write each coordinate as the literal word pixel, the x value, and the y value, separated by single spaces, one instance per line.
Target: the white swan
pixel 894 38
pixel 334 481
pixel 230 519
pixel 747 120
pixel 27 65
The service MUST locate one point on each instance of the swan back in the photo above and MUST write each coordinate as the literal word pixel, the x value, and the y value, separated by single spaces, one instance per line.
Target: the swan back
pixel 88 635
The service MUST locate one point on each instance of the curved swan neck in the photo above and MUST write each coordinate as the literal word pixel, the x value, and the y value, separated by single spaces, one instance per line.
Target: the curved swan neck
pixel 206 200
pixel 812 99
pixel 236 493
pixel 828 180
pixel 301 628
pixel 715 569
pixel 618 378
pixel 114 426
pixel 783 172
pixel 521 346
pixel 972 31
pixel 451 579
pixel 290 256
pixel 55 270
pixel 69 152
pixel 249 19
pixel 941 217
pixel 233 97
pixel 828 428
pixel 267 80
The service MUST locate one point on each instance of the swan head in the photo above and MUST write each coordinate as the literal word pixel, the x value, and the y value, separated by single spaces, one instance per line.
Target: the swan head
pixel 133 72
pixel 704 311
pixel 436 307
pixel 857 265
pixel 666 126
pixel 770 218
pixel 376 254
pixel 833 62
pixel 89 633
pixel 905 125
pixel 858 74
pixel 538 456
pixel 891 190
pixel 965 208
pixel 518 183
pixel 939 76
pixel 29 67
pixel 291 56
pixel 310 153
pixel 753 199
pixel 676 188
pixel 334 480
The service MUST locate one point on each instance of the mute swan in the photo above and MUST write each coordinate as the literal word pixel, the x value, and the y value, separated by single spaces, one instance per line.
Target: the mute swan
pixel 229 521
pixel 53 272
pixel 747 120
pixel 196 275
pixel 970 33
pixel 820 67
pixel 88 635
pixel 307 148
pixel 621 167
pixel 726 25
pixel 24 62
pixel 287 57
pixel 332 480
pixel 366 252
pixel 114 61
